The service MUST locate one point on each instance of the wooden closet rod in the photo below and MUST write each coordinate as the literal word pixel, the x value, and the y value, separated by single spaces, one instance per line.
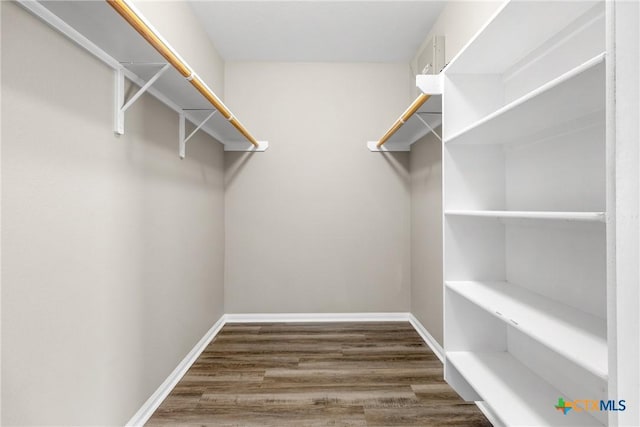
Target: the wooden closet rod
pixel 415 105
pixel 141 27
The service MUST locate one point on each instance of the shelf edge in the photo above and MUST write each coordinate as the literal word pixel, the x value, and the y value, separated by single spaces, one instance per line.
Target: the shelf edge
pixel 601 374
pixel 531 215
pixel 574 72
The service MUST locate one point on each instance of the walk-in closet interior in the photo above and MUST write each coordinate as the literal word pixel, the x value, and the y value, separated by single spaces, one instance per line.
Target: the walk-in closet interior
pixel 314 213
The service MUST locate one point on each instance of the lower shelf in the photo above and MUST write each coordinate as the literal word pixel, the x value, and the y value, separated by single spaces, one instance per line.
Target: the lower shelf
pixel 516 395
pixel 577 336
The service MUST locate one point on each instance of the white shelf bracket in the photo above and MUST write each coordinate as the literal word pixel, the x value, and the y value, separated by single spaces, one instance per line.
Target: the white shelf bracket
pixel 120 106
pixel 424 122
pixel 182 130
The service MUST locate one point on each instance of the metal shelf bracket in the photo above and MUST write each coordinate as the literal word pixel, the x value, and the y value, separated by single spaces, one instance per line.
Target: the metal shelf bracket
pixel 182 131
pixel 424 122
pixel 120 106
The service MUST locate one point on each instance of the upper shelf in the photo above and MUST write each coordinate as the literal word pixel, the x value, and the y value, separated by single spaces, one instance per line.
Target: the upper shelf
pixel 114 37
pixel 422 116
pixel 515 40
pixel 575 94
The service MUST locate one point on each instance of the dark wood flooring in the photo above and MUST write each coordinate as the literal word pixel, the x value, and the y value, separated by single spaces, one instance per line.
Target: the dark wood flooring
pixel 316 374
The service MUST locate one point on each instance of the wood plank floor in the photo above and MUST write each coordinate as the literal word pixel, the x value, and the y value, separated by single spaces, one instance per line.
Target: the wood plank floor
pixel 316 374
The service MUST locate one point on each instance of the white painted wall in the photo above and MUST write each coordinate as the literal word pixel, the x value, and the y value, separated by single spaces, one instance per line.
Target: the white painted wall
pixel 426 234
pixel 180 27
pixel 112 261
pixel 458 22
pixel 317 223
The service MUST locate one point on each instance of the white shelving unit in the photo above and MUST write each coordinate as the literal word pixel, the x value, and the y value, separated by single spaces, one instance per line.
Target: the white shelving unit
pixel 526 214
pixel 95 26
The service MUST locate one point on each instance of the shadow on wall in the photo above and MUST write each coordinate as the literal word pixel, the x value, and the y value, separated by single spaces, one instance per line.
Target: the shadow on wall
pixel 235 161
pixel 431 162
pixel 152 126
pixel 398 161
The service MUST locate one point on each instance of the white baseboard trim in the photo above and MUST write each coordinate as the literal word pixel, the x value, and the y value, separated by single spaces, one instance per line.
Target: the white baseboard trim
pixel 427 337
pixel 487 412
pixel 341 317
pixel 439 351
pixel 149 407
pixel 315 317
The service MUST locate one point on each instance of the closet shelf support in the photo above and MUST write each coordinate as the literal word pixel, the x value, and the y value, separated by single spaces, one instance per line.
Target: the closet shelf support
pixel 120 106
pixel 183 136
pixel 405 145
pixel 424 122
pixel 431 86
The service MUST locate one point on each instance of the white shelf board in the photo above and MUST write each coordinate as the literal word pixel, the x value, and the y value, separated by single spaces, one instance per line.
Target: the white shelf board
pixel 388 146
pixel 414 129
pixel 517 396
pixel 560 216
pixel 577 93
pixel 431 84
pixel 576 335
pixel 99 23
pixel 505 40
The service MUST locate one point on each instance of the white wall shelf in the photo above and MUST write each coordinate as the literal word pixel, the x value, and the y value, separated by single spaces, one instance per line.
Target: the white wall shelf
pixel 425 120
pixel 519 397
pixel 561 100
pixel 422 116
pixel 578 336
pixel 532 215
pixel 99 29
